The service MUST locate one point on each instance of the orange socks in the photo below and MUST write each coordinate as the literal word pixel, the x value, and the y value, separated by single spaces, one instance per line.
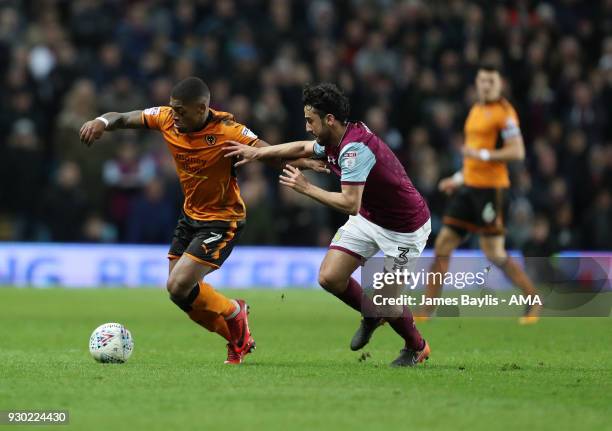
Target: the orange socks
pixel 211 300
pixel 211 321
pixel 209 309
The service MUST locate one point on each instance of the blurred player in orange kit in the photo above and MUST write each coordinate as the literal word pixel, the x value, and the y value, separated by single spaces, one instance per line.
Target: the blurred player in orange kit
pixel 213 213
pixel 479 201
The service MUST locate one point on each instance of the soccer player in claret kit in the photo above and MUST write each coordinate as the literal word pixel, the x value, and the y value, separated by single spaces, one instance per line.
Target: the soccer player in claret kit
pixel 213 211
pixel 479 201
pixel 386 212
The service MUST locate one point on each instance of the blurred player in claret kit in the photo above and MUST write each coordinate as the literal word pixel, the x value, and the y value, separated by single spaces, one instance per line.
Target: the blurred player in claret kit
pixel 385 211
pixel 213 211
pixel 479 201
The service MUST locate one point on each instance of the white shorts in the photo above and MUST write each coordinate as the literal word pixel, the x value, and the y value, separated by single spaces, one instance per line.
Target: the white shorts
pixel 361 238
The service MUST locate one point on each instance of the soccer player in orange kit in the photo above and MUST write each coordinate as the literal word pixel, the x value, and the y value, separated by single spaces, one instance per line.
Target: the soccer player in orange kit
pixel 213 212
pixel 479 200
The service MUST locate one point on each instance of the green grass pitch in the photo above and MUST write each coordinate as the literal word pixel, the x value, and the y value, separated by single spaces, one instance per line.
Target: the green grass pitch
pixel 483 374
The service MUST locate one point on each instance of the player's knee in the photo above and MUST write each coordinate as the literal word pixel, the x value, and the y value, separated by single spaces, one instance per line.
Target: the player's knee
pixel 497 259
pixel 171 286
pixel 443 247
pixel 324 280
pixel 177 286
pixel 329 282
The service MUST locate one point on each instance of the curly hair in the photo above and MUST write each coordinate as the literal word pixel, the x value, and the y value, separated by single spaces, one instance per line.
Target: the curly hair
pixel 326 98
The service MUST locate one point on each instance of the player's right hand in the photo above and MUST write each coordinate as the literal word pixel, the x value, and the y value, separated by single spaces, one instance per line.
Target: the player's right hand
pixel 448 185
pixel 91 131
pixel 244 152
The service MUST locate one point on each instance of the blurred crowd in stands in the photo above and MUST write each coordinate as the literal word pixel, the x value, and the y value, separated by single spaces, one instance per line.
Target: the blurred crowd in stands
pixel 407 66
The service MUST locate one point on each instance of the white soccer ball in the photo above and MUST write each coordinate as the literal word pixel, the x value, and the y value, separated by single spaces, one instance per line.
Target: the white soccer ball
pixel 111 343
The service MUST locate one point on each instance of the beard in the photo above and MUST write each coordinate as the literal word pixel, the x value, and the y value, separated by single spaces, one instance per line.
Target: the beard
pixel 324 137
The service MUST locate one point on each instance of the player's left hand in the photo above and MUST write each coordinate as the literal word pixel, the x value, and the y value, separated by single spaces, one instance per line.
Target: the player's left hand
pixel 293 178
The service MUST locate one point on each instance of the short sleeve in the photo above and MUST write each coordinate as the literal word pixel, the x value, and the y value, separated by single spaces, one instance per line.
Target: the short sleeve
pixel 318 150
pixel 509 124
pixel 356 161
pixel 243 134
pixel 156 117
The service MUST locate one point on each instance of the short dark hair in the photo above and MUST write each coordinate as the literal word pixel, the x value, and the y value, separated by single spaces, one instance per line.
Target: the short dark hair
pixel 489 67
pixel 190 89
pixel 326 98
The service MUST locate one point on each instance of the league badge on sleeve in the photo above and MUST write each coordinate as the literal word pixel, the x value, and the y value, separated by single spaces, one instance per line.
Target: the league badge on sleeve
pixel 511 128
pixel 349 160
pixel 247 132
pixel 152 111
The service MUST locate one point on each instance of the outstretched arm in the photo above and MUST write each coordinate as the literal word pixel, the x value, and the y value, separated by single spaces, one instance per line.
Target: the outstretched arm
pixel 281 162
pixel 93 130
pixel 291 150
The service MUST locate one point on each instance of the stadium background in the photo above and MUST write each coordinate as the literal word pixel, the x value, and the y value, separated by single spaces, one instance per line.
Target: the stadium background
pixel 408 68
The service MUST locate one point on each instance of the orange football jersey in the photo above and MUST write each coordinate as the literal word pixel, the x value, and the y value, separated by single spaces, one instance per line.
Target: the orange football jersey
pixel 207 177
pixel 486 126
